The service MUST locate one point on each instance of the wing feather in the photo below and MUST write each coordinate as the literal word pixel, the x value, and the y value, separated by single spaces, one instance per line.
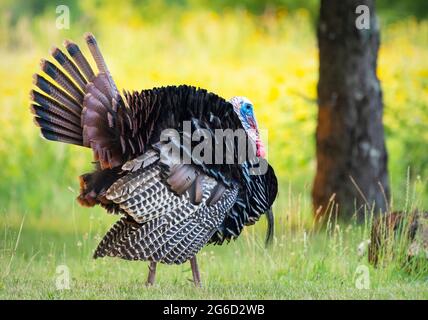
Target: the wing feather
pixel 171 227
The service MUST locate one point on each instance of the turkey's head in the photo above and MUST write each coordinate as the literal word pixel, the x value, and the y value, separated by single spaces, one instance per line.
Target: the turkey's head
pixel 245 111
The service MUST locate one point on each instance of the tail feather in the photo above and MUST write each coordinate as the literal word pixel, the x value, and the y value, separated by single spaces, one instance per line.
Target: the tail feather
pixel 70 67
pixel 78 106
pixel 48 116
pixel 102 83
pixel 100 96
pixel 77 56
pixel 48 104
pixel 54 136
pixel 57 94
pixel 99 60
pixel 56 122
pixel 59 112
pixel 56 74
pixel 49 126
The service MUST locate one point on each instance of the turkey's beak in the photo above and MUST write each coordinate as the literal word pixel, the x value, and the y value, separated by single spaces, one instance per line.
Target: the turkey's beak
pixel 253 124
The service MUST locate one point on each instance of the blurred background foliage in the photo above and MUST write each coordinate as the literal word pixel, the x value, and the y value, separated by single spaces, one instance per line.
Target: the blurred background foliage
pixel 265 50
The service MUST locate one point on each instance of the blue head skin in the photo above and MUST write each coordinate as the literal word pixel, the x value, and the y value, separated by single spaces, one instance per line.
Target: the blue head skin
pixel 245 111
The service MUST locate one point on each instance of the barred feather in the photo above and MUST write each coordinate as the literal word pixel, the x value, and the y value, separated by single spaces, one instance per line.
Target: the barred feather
pixel 69 66
pixel 172 227
pixel 121 230
pixel 56 74
pixel 79 59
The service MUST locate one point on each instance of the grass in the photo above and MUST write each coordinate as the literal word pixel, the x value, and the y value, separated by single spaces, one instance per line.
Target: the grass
pixel 302 264
pixel 272 59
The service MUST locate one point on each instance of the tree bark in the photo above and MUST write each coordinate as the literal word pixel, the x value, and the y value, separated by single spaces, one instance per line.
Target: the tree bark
pixel 351 155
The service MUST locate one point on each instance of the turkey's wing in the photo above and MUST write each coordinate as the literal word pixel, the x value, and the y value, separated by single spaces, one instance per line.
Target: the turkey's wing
pixel 175 210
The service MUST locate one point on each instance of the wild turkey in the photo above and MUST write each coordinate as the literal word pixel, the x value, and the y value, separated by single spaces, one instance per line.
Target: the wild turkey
pixel 169 208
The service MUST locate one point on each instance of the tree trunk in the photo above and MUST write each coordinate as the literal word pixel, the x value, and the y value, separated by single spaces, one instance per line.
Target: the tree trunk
pixel 351 156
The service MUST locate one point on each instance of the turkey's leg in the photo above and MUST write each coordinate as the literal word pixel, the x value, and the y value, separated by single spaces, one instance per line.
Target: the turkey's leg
pixel 195 272
pixel 152 274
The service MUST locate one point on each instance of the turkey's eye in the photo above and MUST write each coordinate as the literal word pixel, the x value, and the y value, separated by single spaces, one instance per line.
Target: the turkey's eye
pixel 247 107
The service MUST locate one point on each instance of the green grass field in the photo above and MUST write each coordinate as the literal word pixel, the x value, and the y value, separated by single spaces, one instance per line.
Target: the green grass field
pixel 302 264
pixel 272 59
pixel 320 269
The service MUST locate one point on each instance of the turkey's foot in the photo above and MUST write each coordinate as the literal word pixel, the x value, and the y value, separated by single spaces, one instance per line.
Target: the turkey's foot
pixel 152 274
pixel 195 272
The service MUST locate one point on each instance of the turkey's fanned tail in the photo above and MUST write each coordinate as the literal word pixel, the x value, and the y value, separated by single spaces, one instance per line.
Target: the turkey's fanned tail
pixel 81 107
